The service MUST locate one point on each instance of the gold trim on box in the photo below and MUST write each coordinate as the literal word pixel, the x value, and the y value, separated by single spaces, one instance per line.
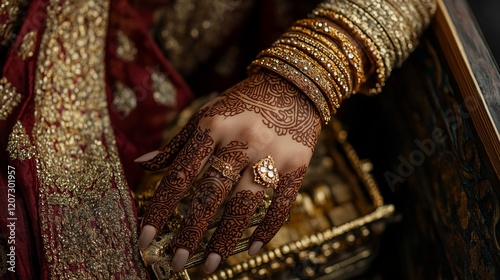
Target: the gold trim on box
pixel 298 246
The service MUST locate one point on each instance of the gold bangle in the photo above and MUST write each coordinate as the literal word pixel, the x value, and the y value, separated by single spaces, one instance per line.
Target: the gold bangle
pixel 322 27
pixel 428 8
pixel 374 53
pixel 423 11
pixel 328 67
pixel 329 49
pixel 375 35
pixel 324 55
pixel 294 76
pixel 393 23
pixel 340 75
pixel 347 48
pixel 413 19
pixel 300 61
pixel 337 81
pixel 371 26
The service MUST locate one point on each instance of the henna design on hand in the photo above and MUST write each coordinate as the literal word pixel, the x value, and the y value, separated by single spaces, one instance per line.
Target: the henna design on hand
pixel 282 107
pixel 209 196
pixel 168 152
pixel 179 176
pixel 238 212
pixel 281 205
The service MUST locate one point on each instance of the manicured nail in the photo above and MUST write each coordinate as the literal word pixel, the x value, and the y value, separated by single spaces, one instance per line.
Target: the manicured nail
pixel 255 247
pixel 148 233
pixel 147 156
pixel 212 262
pixel 179 259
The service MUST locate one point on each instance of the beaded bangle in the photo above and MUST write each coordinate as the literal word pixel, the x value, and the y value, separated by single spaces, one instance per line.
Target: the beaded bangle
pixel 317 51
pixel 340 77
pixel 327 39
pixel 322 72
pixel 338 80
pixel 373 26
pixel 317 74
pixel 331 52
pixel 408 10
pixel 295 77
pixel 323 54
pixel 374 53
pixel 422 10
pixel 395 24
pixel 377 35
pixel 321 26
pixel 430 7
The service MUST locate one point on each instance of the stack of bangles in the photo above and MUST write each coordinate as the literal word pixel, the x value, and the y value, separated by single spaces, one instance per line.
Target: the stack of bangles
pixel 327 65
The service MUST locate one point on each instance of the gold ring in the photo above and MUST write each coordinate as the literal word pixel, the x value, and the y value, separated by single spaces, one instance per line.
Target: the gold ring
pixel 224 168
pixel 265 173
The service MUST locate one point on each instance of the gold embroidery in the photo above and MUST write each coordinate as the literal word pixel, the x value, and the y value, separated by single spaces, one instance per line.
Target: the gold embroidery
pixel 27 45
pixel 87 220
pixel 190 30
pixel 124 99
pixel 164 91
pixel 10 98
pixel 125 49
pixel 12 9
pixel 19 145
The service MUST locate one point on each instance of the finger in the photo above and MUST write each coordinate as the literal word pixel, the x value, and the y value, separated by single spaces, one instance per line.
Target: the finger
pixel 148 233
pixel 212 262
pixel 178 178
pixel 277 213
pixel 180 258
pixel 208 197
pixel 162 158
pixel 255 247
pixel 237 214
pixel 147 156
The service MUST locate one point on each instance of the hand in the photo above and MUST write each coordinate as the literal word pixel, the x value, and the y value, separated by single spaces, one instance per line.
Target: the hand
pixel 263 115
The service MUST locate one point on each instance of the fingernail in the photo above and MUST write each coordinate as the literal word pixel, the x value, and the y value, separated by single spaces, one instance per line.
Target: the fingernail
pixel 147 156
pixel 179 259
pixel 255 247
pixel 212 262
pixel 148 233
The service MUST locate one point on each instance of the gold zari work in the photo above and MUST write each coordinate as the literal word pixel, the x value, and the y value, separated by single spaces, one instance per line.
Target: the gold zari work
pixel 125 49
pixel 13 10
pixel 19 145
pixel 27 45
pixel 124 99
pixel 9 99
pixel 192 29
pixel 87 222
pixel 164 91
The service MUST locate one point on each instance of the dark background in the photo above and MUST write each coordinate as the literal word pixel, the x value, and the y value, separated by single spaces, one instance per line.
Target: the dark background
pixel 487 13
pixel 363 117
